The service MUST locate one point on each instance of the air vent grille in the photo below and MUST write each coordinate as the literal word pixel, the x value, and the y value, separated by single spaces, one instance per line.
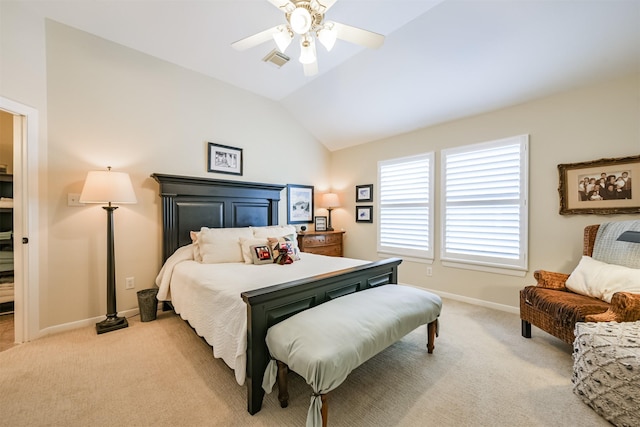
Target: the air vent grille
pixel 277 58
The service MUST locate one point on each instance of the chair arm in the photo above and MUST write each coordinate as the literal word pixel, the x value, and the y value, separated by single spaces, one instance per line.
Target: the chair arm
pixel 551 280
pixel 625 307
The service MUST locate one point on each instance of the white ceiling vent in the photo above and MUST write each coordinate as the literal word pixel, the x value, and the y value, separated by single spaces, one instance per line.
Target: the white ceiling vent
pixel 277 58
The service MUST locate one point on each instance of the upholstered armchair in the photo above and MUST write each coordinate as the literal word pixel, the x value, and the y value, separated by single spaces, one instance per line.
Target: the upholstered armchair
pixel 552 307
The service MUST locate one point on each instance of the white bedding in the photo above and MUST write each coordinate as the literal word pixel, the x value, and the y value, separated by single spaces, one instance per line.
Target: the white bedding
pixel 208 296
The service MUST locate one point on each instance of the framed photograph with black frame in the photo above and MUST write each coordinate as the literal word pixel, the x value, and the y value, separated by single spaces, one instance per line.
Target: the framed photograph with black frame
pixel 224 159
pixel 364 193
pixel 599 186
pixel 364 213
pixel 299 204
pixel 321 223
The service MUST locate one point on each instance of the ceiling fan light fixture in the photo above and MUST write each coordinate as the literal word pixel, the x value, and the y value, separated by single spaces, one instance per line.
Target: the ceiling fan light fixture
pixel 283 38
pixel 307 50
pixel 327 36
pixel 317 6
pixel 300 20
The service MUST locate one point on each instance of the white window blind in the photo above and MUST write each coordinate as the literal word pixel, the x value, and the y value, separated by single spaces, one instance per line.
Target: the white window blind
pixel 406 208
pixel 484 204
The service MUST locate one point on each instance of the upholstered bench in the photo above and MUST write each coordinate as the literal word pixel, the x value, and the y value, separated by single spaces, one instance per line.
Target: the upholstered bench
pixel 325 343
pixel 606 370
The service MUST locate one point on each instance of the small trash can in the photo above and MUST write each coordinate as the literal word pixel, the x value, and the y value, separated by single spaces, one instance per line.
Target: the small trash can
pixel 148 304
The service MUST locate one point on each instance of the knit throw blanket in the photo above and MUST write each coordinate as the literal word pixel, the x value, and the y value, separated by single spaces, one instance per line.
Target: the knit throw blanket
pixel 607 249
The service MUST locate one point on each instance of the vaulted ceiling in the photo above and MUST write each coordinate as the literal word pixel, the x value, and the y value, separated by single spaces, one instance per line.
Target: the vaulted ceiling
pixel 441 60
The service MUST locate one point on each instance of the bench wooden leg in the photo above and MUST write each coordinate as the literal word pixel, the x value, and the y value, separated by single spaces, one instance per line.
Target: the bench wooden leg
pixel 325 409
pixel 283 390
pixel 432 332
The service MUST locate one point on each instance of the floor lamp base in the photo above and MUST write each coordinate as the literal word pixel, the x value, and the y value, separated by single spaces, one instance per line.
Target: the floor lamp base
pixel 111 324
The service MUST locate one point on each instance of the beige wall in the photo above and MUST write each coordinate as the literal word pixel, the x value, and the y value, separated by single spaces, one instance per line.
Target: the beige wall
pixel 587 124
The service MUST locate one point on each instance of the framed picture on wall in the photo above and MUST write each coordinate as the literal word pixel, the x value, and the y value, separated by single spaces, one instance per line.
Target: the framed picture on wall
pixel 364 213
pixel 224 159
pixel 364 193
pixel 299 204
pixel 600 186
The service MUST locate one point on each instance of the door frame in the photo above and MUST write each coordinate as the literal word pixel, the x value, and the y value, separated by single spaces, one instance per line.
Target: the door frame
pixel 25 219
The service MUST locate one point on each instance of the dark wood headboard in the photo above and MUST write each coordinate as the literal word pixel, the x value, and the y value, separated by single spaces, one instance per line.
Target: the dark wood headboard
pixel 190 203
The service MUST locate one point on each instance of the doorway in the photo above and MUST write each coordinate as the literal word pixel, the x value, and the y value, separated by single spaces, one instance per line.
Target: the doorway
pixel 7 324
pixel 25 191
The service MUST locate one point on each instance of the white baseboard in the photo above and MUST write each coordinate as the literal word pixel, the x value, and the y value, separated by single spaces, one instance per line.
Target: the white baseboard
pixel 82 323
pixel 134 312
pixel 474 301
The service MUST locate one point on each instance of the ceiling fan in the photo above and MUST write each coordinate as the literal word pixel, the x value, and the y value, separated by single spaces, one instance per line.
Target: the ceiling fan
pixel 306 19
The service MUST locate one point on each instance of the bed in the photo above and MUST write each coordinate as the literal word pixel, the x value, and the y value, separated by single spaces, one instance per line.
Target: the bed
pixel 189 203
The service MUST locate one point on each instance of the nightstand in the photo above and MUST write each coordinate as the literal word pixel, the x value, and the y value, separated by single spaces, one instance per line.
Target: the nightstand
pixel 321 242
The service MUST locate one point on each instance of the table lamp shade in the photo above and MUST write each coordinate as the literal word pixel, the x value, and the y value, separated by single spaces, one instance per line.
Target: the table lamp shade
pixel 330 201
pixel 107 187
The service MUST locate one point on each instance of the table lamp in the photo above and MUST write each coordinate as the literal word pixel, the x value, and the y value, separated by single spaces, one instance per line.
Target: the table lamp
pixel 330 201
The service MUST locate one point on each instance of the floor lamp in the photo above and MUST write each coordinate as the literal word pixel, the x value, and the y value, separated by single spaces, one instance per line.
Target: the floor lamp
pixel 109 187
pixel 330 201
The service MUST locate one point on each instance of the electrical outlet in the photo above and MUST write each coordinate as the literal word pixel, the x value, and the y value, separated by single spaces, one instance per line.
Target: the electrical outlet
pixel 129 283
pixel 73 199
pixel 429 271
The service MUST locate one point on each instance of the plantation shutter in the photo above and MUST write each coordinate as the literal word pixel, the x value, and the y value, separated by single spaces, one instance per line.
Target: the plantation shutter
pixel 484 195
pixel 405 208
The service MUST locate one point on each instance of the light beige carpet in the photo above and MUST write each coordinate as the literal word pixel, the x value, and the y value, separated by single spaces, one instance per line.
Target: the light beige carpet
pixel 6 331
pixel 159 373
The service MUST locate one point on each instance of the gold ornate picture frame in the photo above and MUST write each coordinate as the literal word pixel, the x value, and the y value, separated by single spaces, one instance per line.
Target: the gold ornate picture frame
pixel 600 186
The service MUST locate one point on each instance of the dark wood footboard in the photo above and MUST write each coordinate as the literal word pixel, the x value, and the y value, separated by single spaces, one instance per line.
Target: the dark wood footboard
pixel 268 306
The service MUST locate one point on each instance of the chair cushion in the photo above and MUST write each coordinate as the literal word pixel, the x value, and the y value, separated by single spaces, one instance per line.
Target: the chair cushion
pixel 566 307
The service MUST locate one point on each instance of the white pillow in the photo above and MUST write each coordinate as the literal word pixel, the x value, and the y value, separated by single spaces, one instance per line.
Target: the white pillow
pixel 601 280
pixel 221 245
pixel 247 252
pixel 196 249
pixel 273 231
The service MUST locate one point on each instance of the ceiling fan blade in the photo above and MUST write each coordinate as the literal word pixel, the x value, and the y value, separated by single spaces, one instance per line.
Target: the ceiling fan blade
pixel 310 69
pixel 358 36
pixel 255 40
pixel 283 5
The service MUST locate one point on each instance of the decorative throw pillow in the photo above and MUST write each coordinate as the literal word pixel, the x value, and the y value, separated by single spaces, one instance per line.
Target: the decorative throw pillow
pixel 601 280
pixel 246 244
pixel 261 254
pixel 289 242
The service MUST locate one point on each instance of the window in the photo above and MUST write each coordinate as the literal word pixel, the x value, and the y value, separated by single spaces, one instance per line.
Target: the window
pixel 484 206
pixel 406 206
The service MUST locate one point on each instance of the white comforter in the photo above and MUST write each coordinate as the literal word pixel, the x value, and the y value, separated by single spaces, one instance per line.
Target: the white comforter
pixel 208 296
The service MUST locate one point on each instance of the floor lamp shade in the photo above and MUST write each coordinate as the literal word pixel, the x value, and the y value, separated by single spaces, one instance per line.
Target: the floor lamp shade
pixel 109 187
